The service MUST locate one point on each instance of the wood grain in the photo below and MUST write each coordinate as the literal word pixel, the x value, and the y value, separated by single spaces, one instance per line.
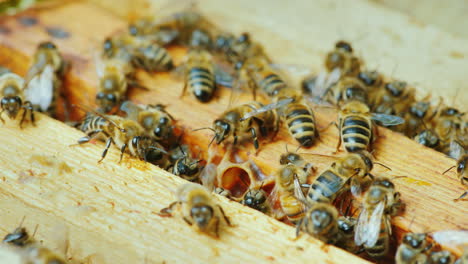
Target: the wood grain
pixel 122 226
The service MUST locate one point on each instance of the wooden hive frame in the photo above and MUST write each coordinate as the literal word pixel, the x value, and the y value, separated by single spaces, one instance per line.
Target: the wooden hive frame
pixel 109 208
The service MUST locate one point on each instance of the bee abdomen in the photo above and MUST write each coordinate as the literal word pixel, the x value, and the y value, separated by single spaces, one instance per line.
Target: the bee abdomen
pixel 154 58
pixel 201 82
pixel 325 187
pixel 356 133
pixel 301 125
pixel 272 83
pixel 292 207
pixel 380 248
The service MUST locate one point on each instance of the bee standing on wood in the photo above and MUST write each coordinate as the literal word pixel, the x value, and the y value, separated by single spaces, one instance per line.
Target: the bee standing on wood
pixel 294 168
pixel 257 199
pixel 186 167
pixel 240 120
pixel 298 116
pixel 125 134
pixel 462 163
pixel 44 78
pixel 198 209
pixel 11 87
pixel 348 172
pixel 155 120
pixel 200 75
pixel 374 229
pixel 30 250
pixel 356 126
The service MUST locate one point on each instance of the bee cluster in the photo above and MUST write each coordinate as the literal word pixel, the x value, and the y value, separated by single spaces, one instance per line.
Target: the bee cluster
pixel 297 194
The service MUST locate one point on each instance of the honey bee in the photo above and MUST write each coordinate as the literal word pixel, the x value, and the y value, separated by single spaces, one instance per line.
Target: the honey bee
pixel 154 119
pixel 200 75
pixel 44 78
pixel 448 123
pixel 346 231
pixel 223 192
pixel 186 167
pixel 356 125
pixel 125 134
pixel 320 221
pixel 462 161
pixel 416 117
pixel 441 257
pixel 30 250
pixel 373 229
pixel 198 209
pixel 429 138
pixel 113 83
pixel 151 57
pixel 261 76
pixel 393 98
pixel 413 249
pixel 11 86
pixel 257 199
pixel 298 116
pixel 343 59
pixel 240 120
pixel 350 169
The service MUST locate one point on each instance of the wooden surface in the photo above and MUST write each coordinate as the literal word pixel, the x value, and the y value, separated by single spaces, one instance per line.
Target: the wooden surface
pixel 117 220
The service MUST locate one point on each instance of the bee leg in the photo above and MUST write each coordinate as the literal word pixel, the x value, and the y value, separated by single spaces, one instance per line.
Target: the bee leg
pixel 167 211
pixel 104 153
pixel 461 196
pixel 122 151
pixel 88 137
pixel 339 143
pixel 254 138
pixel 184 90
pixel 226 219
pixel 27 106
pixel 1 119
pixel 187 221
pixel 217 227
pixel 235 140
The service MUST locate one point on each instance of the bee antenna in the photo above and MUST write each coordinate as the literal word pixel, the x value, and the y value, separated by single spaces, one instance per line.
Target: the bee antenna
pixel 89 109
pixel 35 230
pixel 160 149
pixel 385 166
pixel 204 128
pixel 448 170
pixel 300 146
pixel 22 221
pixel 181 149
pixel 212 141
pixel 287 151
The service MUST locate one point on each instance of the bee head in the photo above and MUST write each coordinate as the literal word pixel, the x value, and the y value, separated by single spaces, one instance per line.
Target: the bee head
pixel 290 158
pixel 108 46
pixel 450 111
pixel 419 109
pixel 106 101
pixel 163 130
pixel 384 182
pixel 461 164
pixel 356 92
pixel 369 78
pixel 428 138
pixel 254 199
pixel 415 241
pixel 18 237
pixel 396 88
pixel 346 226
pixel 11 105
pixel 47 45
pixel 202 215
pixel 321 218
pixel 344 45
pixel 222 130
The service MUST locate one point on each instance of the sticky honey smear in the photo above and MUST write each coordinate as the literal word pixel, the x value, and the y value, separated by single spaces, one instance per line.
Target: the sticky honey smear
pixel 43 167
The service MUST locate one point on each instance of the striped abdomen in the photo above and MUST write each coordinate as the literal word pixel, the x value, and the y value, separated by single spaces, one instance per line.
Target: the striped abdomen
pixel 356 133
pixel 325 187
pixel 202 83
pixel 383 242
pixel 92 122
pixel 301 123
pixel 292 207
pixel 271 83
pixel 153 58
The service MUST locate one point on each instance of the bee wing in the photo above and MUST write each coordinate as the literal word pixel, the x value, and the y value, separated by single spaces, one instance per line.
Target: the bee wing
pixel 267 108
pixel 99 64
pixel 332 78
pixel 451 237
pixel 456 150
pixel 40 89
pixel 208 176
pixel 298 191
pixel 355 187
pixel 387 120
pixel 223 78
pixel 294 69
pixel 130 109
pixel 368 226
